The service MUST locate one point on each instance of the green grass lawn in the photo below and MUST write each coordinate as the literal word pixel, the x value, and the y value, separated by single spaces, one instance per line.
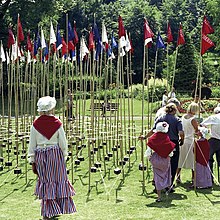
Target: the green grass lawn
pixel 112 198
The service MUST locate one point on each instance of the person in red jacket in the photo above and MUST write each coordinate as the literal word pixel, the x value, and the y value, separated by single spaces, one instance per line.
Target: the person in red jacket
pixel 159 150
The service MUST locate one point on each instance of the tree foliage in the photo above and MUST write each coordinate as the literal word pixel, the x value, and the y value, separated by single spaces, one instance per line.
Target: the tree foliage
pixel 190 13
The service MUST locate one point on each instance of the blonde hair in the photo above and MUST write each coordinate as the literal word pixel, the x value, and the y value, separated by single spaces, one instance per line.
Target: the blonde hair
pixel 193 108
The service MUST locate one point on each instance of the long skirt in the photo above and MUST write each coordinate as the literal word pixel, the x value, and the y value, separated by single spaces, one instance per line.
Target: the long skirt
pixel 162 171
pixel 203 176
pixel 53 186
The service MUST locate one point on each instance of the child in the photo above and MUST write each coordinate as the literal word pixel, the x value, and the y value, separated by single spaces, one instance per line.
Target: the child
pixel 160 143
pixel 203 172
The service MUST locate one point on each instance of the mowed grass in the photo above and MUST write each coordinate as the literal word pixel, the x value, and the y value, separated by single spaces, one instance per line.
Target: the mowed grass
pixel 111 196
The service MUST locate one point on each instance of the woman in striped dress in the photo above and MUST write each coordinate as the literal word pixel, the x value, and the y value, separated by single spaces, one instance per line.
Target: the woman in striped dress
pixel 47 153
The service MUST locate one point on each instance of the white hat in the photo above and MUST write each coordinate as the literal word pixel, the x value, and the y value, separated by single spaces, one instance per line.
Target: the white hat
pixel 204 131
pixel 217 110
pixel 46 104
pixel 174 101
pixel 162 127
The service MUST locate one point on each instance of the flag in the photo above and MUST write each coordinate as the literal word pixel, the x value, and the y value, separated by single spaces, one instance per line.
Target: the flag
pixel 132 49
pixel 169 34
pixel 98 50
pixel 52 34
pixel 11 38
pixel 45 54
pixel 29 44
pixel 159 43
pixel 206 44
pixel 15 51
pixel 110 53
pixel 121 29
pixel 206 27
pixel 104 34
pixel 2 55
pixel 148 34
pixel 76 38
pixel 43 42
pixel 113 41
pixel 71 46
pixel 180 39
pixel 91 41
pixel 59 39
pixel 28 57
pixel 128 44
pixel 96 32
pixel 64 47
pixel 121 33
pixel 83 49
pixel 70 32
pixel 37 43
pixel 20 31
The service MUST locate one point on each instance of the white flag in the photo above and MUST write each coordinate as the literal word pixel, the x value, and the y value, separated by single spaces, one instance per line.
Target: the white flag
pixel 104 34
pixel 15 51
pixel 52 34
pixel 3 54
pixel 128 43
pixel 83 49
pixel 28 57
pixel 43 42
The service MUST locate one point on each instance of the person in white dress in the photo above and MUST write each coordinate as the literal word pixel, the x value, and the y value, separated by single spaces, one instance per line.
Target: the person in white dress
pixel 164 98
pixel 190 128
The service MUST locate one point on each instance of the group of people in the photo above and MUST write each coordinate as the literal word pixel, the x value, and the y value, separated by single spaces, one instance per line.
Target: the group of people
pixel 172 142
pixel 170 148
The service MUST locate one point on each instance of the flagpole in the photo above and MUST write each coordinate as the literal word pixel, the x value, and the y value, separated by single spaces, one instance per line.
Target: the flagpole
pixel 16 102
pixel 142 125
pixel 167 60
pixel 174 68
pixel 2 85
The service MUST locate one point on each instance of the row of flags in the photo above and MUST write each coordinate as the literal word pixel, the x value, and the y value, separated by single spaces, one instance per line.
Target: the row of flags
pixel 96 43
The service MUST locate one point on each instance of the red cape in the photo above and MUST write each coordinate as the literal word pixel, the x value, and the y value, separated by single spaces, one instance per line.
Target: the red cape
pixel 161 144
pixel 47 125
pixel 202 151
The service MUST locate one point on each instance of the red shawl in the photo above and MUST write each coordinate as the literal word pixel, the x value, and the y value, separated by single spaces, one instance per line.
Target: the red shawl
pixel 202 151
pixel 161 144
pixel 47 125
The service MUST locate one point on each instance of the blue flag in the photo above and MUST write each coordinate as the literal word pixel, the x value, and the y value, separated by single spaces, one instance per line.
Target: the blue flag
pixel 70 32
pixel 160 43
pixel 114 43
pixel 59 39
pixel 37 43
pixel 96 32
pixel 98 49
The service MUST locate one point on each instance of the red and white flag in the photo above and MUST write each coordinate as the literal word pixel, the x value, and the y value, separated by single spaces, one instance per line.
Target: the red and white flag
pixel 206 44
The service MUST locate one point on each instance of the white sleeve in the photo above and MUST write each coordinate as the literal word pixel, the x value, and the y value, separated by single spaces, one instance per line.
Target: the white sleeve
pixel 208 121
pixel 148 152
pixel 63 142
pixel 32 145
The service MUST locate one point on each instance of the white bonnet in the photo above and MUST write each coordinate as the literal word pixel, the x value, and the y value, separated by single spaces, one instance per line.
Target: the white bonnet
pixel 162 127
pixel 46 104
pixel 217 109
pixel 204 131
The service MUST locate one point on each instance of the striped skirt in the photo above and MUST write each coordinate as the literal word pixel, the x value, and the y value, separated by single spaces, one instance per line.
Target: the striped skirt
pixel 53 186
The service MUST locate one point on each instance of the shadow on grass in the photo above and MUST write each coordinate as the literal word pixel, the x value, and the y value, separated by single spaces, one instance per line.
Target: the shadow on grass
pixel 10 193
pixel 167 200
